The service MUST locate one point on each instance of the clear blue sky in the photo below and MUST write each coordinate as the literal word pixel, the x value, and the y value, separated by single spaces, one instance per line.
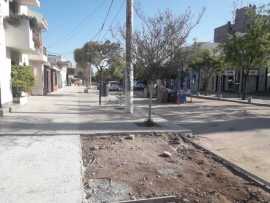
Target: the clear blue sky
pixel 73 22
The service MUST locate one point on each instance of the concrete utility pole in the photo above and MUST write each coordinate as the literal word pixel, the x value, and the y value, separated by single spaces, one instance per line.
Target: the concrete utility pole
pixel 1 110
pixel 129 78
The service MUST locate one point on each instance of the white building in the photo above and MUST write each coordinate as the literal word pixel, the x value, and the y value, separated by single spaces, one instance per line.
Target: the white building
pixel 20 42
pixel 39 59
pixel 60 65
pixel 5 68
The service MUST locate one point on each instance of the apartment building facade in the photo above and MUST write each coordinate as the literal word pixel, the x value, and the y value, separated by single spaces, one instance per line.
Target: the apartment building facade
pixel 21 43
pixel 5 68
pixel 259 79
pixel 39 59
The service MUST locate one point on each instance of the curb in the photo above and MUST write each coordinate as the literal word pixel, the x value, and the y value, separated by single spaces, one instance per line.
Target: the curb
pixel 230 100
pixel 265 185
pixel 169 199
pixel 98 132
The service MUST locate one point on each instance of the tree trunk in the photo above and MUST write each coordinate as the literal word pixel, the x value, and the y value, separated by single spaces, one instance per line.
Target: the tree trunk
pixel 90 77
pixel 199 81
pixel 86 78
pixel 206 85
pixel 219 85
pixel 266 80
pixel 242 83
pixel 244 93
pixel 150 86
pixel 100 86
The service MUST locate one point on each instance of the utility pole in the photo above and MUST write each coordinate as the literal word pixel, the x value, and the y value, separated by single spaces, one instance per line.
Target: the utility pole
pixel 129 77
pixel 1 110
pixel 0 98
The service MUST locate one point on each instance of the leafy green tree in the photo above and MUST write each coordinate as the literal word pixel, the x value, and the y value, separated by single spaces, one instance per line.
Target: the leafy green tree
pixel 82 63
pixel 101 55
pixel 177 67
pixel 250 50
pixel 207 63
pixel 116 71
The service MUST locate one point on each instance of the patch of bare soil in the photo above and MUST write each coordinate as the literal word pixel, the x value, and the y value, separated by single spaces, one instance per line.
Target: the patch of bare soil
pixel 121 169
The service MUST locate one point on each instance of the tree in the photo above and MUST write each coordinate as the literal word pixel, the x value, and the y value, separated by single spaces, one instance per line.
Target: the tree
pixel 22 79
pixel 157 43
pixel 209 62
pixel 250 50
pixel 177 67
pixel 82 62
pixel 116 71
pixel 101 56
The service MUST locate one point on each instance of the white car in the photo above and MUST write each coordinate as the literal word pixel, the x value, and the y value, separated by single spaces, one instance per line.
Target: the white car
pixel 114 86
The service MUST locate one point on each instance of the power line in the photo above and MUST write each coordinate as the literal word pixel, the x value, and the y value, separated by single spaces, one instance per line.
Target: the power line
pixel 104 22
pixel 114 18
pixel 140 15
pixel 102 26
pixel 107 15
pixel 74 31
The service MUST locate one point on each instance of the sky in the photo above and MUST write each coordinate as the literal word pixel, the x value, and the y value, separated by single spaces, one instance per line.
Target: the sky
pixel 74 22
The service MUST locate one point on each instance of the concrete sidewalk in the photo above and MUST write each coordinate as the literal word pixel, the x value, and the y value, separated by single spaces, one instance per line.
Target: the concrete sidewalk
pixel 40 169
pixel 249 150
pixel 72 112
pixel 239 133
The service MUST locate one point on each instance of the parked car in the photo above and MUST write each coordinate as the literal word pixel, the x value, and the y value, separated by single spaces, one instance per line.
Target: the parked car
pixel 139 85
pixel 114 86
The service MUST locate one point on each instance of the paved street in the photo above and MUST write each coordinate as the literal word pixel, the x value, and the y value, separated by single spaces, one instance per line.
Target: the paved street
pixel 238 132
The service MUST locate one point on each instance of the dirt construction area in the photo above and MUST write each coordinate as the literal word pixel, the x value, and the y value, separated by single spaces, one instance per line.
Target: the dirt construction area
pixel 121 168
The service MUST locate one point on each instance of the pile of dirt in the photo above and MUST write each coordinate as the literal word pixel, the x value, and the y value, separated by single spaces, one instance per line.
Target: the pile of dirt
pixel 117 169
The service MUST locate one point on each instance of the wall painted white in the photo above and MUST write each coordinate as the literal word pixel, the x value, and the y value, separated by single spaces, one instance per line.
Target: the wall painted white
pixel 5 81
pixel 23 10
pixel 20 37
pixel 5 68
pixel 63 74
pixel 24 60
pixel 5 63
pixel 54 60
pixel 4 8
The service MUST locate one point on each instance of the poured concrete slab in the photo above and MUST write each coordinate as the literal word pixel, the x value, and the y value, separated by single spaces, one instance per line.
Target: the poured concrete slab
pixel 40 169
